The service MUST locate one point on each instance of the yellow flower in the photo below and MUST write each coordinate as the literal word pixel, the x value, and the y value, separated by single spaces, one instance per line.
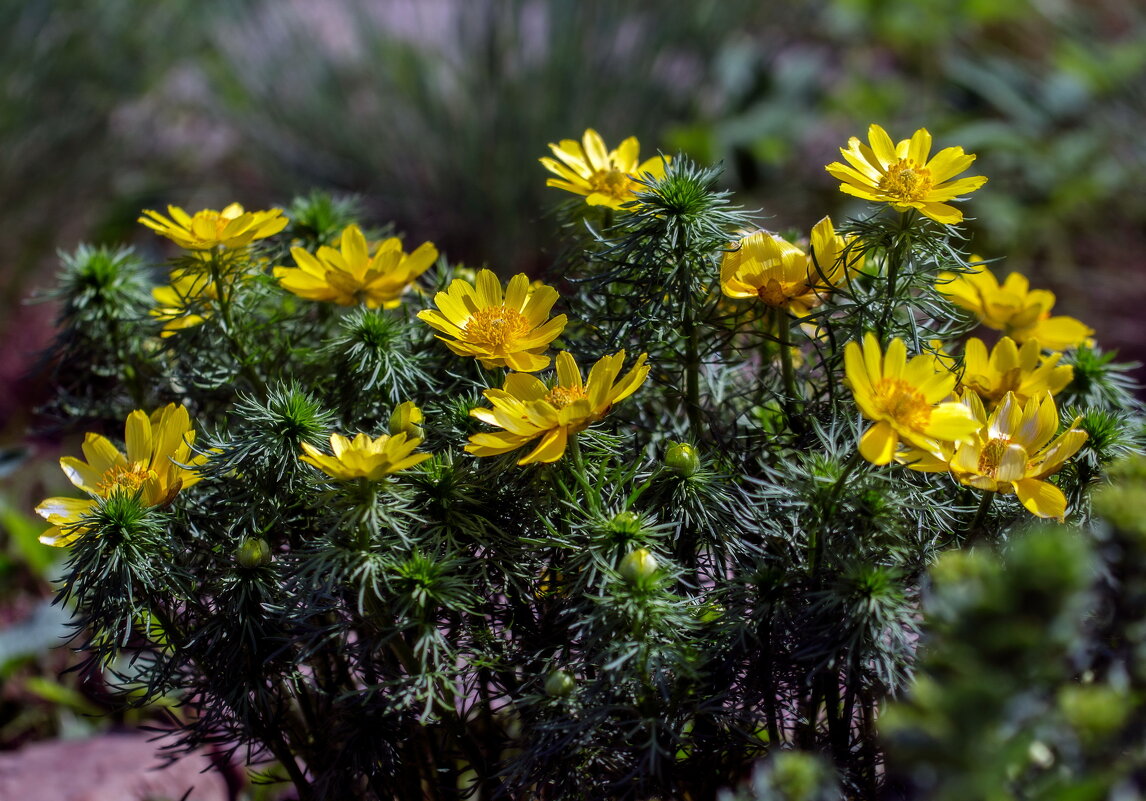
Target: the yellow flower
pixel 176 299
pixel 781 275
pixel 1013 452
pixel 499 330
pixel 1014 308
pixel 902 175
pixel 528 410
pixel 229 229
pixel 351 275
pixel 363 457
pixel 903 399
pixel 157 465
pixel 407 419
pixel 1008 368
pixel 604 177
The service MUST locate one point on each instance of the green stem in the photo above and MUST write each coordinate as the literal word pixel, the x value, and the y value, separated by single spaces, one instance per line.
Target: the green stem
pixel 897 255
pixel 224 292
pixel 976 528
pixel 691 368
pixel 791 400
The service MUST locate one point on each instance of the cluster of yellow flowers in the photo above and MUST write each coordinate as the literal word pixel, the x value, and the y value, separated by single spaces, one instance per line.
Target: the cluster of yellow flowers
pixel 931 420
pixel 925 415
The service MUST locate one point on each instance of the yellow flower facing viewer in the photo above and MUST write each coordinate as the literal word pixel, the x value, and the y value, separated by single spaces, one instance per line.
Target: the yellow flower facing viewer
pixel 604 177
pixel 903 398
pixel 350 275
pixel 175 301
pixel 499 330
pixel 1013 452
pixel 779 274
pixel 1014 308
pixel 157 465
pixel 526 409
pixel 1023 371
pixel 229 229
pixel 363 457
pixel 902 175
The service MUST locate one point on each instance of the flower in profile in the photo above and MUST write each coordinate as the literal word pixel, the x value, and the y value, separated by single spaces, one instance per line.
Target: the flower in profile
pixel 407 419
pixel 1014 308
pixel 904 399
pixel 499 330
pixel 363 457
pixel 526 409
pixel 1013 452
pixel 350 275
pixel 229 229
pixel 779 274
pixel 1023 371
pixel 605 177
pixel 157 465
pixel 185 302
pixel 902 175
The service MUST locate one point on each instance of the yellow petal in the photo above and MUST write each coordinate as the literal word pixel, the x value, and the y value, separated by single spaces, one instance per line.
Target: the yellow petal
pixel 878 443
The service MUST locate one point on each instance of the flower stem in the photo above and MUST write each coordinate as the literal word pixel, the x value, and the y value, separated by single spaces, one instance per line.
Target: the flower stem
pixel 899 253
pixel 976 528
pixel 224 293
pixel 791 400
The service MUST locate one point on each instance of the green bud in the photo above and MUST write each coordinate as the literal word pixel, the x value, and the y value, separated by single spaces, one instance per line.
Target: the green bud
pixel 559 684
pixel 682 459
pixel 253 552
pixel 628 523
pixel 638 565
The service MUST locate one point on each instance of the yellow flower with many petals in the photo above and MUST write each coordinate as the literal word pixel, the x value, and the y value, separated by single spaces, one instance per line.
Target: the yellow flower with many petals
pixel 528 410
pixel 902 174
pixel 350 275
pixel 363 457
pixel 779 274
pixel 1008 368
pixel 157 465
pixel 499 330
pixel 229 229
pixel 1014 308
pixel 605 177
pixel 188 290
pixel 1013 452
pixel 903 398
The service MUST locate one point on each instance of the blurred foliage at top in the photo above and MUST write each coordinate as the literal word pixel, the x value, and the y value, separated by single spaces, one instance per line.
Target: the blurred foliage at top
pixel 426 108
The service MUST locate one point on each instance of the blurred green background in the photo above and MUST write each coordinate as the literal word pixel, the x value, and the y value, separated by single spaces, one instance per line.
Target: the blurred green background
pixel 434 113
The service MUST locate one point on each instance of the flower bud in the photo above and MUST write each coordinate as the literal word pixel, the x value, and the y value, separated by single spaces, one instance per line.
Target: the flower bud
pixel 638 565
pixel 559 684
pixel 253 552
pixel 682 459
pixel 626 523
pixel 407 418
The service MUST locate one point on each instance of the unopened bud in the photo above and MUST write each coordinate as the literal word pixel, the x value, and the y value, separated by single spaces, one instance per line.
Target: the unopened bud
pixel 626 522
pixel 682 459
pixel 559 684
pixel 638 565
pixel 253 552
pixel 407 419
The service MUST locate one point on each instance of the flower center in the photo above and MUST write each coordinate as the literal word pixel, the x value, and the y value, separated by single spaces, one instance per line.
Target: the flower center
pixel 772 293
pixel 906 181
pixel 118 477
pixel 496 326
pixel 992 456
pixel 560 397
pixel 901 402
pixel 613 183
